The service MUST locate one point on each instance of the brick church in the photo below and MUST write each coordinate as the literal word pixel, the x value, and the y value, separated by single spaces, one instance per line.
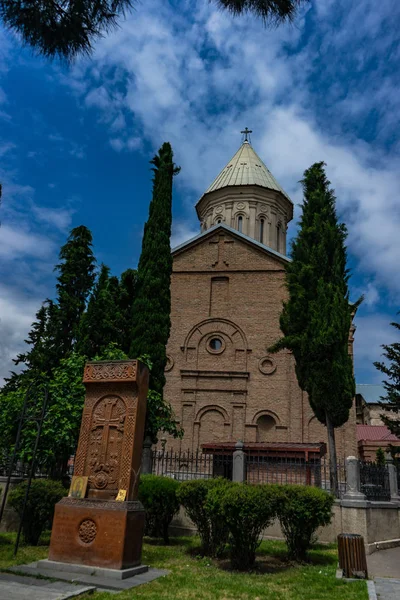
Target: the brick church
pixel 227 288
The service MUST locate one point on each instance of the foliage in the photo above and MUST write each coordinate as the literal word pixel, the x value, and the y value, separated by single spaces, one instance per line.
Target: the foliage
pixel 42 498
pixel 159 498
pixel 245 510
pixel 160 417
pixel 211 529
pixel 68 28
pixel 391 402
pixel 152 304
pixel 62 422
pixel 127 293
pixel 43 355
pixel 301 510
pixel 380 457
pixel 317 317
pixel 270 11
pixel 76 275
pixel 100 323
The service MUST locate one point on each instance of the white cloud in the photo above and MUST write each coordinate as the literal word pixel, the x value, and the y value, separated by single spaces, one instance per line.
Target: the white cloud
pixel 16 242
pixel 57 217
pixel 17 312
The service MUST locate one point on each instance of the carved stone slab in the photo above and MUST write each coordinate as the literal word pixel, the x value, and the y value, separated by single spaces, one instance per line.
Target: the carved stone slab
pixel 111 437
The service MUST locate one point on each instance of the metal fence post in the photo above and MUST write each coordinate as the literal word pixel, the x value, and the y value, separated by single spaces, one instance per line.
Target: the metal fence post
pixel 394 489
pixel 147 459
pixel 353 490
pixel 239 463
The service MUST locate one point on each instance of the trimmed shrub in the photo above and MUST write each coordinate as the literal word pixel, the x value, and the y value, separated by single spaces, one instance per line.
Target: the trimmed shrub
pixel 211 529
pixel 301 510
pixel 159 498
pixel 39 511
pixel 246 510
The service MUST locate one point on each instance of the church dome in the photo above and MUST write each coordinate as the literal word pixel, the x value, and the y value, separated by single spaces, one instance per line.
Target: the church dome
pixel 246 196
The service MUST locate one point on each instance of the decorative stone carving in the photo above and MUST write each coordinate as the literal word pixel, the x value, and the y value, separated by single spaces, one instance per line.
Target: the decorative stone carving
pixel 267 365
pixel 87 531
pixel 219 209
pixel 240 206
pixel 98 530
pixel 170 364
pixel 112 424
pixel 110 371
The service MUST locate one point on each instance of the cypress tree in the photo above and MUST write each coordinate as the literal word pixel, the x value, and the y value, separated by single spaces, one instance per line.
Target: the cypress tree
pixel 391 401
pixel 127 293
pixel 99 324
pixel 76 275
pixel 42 356
pixel 152 304
pixel 317 317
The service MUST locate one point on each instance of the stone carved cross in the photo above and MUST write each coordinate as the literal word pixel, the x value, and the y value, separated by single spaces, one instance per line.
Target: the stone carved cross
pixel 222 250
pixel 107 423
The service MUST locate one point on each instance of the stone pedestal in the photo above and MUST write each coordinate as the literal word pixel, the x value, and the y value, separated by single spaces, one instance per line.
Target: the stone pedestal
pixel 98 531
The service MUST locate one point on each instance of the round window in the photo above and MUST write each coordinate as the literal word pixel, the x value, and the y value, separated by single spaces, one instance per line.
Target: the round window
pixel 216 345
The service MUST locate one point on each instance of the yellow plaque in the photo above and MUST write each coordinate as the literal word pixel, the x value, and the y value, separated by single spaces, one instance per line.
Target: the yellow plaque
pixel 121 496
pixel 78 486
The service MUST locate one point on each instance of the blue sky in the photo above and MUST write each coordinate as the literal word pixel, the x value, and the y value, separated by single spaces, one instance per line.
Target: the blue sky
pixel 75 141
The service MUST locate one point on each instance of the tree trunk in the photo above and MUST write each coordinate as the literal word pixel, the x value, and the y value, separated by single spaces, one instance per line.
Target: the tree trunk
pixel 332 456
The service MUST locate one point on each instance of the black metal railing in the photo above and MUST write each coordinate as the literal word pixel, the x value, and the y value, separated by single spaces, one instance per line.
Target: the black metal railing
pixel 296 471
pixel 186 465
pixel 374 481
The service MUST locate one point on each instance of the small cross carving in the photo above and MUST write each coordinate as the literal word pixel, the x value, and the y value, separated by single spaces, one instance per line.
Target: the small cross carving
pixel 107 423
pixel 222 250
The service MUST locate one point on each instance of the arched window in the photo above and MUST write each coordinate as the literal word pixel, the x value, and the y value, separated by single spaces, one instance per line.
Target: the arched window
pixel 266 429
pixel 278 237
pixel 261 230
pixel 240 223
pixel 219 221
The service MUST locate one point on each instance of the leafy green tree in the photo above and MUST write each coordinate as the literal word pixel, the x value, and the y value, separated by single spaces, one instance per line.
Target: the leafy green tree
pixel 61 426
pixel 316 318
pixel 69 27
pixel 127 293
pixel 76 276
pixel 43 353
pixel 100 322
pixel 152 304
pixel 391 368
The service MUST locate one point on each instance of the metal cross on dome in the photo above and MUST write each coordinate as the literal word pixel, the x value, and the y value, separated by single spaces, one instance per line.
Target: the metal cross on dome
pixel 246 132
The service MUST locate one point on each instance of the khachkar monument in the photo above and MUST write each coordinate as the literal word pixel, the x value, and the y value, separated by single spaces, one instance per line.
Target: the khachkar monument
pixel 98 530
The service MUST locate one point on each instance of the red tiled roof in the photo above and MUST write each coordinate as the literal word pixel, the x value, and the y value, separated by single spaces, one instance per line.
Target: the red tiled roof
pixel 375 433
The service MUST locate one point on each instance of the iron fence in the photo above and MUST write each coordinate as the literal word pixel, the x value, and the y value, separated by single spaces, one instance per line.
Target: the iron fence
pixel 374 481
pixel 290 470
pixel 186 465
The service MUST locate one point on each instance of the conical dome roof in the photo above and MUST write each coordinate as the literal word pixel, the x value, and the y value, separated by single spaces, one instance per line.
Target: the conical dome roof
pixel 245 168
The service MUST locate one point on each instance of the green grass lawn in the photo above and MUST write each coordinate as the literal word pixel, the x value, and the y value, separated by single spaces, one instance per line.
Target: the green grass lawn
pixel 194 578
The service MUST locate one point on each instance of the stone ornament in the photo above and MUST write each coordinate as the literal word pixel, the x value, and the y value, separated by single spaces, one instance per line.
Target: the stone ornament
pixel 170 364
pixel 87 531
pixel 219 209
pixel 110 371
pixel 267 365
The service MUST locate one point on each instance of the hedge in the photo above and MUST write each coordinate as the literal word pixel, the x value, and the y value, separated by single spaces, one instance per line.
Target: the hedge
pixel 39 511
pixel 159 498
pixel 212 530
pixel 301 510
pixel 245 510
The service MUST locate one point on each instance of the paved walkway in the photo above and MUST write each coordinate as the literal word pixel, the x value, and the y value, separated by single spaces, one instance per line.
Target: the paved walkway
pixel 17 587
pixel 384 567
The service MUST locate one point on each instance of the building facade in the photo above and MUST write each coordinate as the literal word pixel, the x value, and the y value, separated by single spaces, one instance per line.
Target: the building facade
pixel 227 289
